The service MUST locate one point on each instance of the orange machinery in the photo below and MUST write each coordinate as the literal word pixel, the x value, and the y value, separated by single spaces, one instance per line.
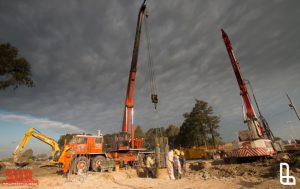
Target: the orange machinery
pixel 126 147
pixel 83 151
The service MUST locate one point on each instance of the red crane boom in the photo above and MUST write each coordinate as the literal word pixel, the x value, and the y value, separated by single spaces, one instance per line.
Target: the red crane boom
pixel 255 127
pixel 129 101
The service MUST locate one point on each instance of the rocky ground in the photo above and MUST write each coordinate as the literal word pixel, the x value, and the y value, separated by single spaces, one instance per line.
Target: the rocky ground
pixel 200 174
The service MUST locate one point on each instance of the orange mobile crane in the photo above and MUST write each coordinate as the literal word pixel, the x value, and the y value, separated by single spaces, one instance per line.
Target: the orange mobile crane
pixel 126 147
pixel 258 140
pixel 86 151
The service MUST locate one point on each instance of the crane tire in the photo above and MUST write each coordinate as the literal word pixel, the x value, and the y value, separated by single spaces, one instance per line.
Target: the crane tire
pixel 97 163
pixel 82 163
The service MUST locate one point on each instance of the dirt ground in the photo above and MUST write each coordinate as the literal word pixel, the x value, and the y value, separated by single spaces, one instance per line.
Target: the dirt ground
pixel 200 174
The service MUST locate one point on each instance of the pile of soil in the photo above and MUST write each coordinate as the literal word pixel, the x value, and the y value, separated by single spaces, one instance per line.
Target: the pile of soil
pixel 264 169
pixel 23 160
pixel 207 174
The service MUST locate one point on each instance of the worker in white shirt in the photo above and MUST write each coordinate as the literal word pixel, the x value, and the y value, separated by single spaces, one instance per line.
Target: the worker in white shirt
pixel 170 162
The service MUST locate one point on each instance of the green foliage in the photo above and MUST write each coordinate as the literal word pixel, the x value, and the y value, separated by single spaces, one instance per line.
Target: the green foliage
pixel 139 133
pixel 200 126
pixel 62 138
pixel 277 139
pixel 172 133
pixel 14 71
pixel 150 136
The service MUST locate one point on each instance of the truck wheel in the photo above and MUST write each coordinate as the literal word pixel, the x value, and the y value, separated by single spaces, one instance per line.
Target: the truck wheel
pixel 82 164
pixel 97 163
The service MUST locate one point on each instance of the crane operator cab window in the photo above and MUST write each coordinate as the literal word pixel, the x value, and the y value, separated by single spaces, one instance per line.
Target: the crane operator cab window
pixel 99 140
pixel 81 140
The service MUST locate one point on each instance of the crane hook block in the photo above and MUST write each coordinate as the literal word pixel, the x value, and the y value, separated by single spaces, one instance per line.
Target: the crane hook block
pixel 154 99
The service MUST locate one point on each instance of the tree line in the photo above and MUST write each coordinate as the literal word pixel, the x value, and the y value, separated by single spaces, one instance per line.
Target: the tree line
pixel 200 127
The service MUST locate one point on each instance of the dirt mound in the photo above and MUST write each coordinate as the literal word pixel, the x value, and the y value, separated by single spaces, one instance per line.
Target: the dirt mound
pixel 262 169
pixel 256 172
pixel 41 157
pixel 26 155
pixel 23 160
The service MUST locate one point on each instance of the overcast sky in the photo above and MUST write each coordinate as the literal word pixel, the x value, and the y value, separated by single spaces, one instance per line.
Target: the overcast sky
pixel 80 52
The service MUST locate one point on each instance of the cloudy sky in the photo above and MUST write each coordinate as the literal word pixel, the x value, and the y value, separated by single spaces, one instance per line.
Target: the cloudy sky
pixel 80 52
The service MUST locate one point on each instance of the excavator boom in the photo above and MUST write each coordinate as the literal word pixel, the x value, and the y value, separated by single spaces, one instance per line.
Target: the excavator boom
pixel 32 132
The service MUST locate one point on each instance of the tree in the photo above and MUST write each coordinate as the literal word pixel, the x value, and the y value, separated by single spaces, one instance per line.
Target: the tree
pixel 14 70
pixel 171 132
pixel 277 138
pixel 150 136
pixel 200 126
pixel 139 133
pixel 62 138
pixel 213 126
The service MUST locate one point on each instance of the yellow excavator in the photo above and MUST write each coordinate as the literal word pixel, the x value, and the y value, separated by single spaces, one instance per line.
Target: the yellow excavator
pixel 57 155
pixel 81 153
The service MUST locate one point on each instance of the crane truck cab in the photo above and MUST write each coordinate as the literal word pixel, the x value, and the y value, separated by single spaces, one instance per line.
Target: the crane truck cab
pixel 87 144
pixel 87 153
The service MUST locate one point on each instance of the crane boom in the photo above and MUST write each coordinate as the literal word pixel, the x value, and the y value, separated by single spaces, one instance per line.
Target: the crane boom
pixel 291 105
pixel 129 102
pixel 32 132
pixel 254 125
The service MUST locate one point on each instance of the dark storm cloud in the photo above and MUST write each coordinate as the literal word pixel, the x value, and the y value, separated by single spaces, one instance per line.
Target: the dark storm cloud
pixel 80 53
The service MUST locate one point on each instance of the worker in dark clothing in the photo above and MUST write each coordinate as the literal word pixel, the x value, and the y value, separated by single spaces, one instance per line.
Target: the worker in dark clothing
pixel 182 160
pixel 149 165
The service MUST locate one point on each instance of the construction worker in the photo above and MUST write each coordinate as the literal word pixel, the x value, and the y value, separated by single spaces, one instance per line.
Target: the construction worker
pixel 182 160
pixel 66 162
pixel 157 154
pixel 177 165
pixel 149 164
pixel 170 162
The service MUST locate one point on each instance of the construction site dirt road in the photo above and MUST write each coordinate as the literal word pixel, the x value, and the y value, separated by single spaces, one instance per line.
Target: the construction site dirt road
pixel 200 174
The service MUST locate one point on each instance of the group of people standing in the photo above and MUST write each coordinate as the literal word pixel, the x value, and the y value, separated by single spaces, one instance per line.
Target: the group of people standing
pixel 176 164
pixel 175 160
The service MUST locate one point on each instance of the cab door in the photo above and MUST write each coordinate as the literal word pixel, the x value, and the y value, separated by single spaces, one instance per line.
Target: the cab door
pixel 98 144
pixel 81 145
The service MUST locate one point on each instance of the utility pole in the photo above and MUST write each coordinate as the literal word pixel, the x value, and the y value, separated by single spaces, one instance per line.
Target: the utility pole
pixel 292 106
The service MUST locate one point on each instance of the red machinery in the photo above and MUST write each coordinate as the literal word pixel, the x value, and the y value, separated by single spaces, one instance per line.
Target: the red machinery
pixel 85 151
pixel 258 140
pixel 126 146
pixel 129 102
